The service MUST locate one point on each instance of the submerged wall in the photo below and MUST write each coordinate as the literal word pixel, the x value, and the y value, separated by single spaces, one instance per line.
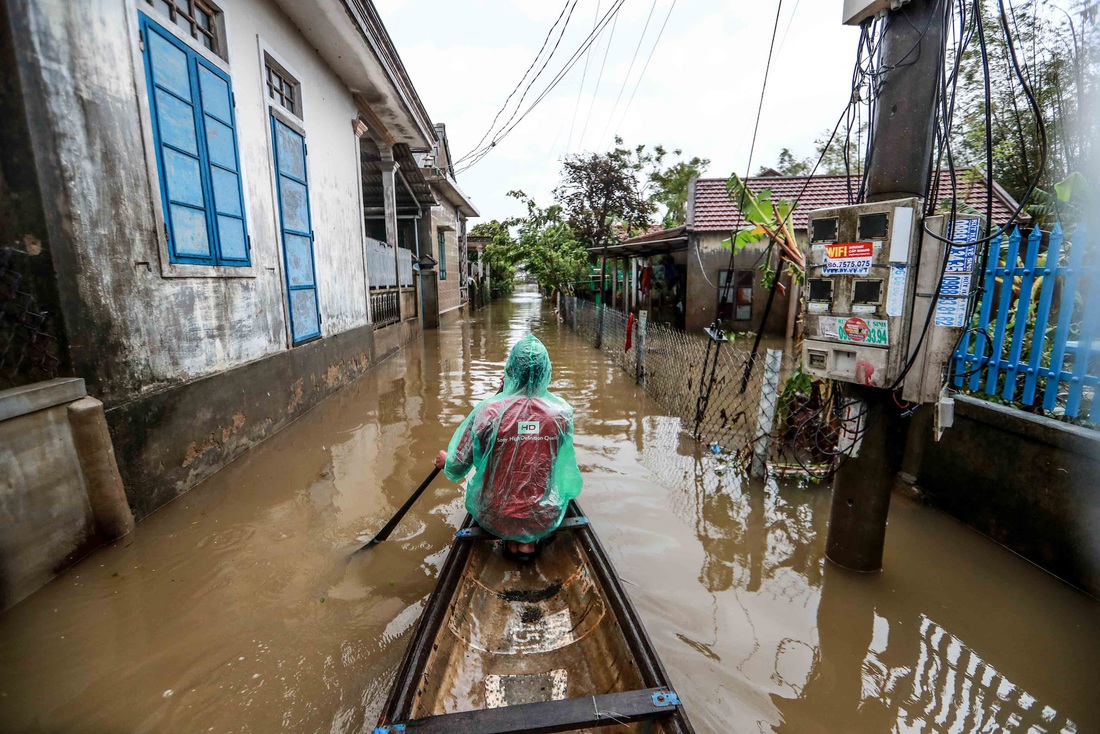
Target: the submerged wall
pixel 170 441
pixel 60 493
pixel 1028 482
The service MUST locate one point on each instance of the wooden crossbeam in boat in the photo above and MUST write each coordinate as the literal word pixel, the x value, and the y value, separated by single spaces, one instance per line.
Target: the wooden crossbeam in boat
pixel 547 717
pixel 477 533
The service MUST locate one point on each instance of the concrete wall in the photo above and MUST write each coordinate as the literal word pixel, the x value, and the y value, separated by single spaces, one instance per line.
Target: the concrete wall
pixel 702 296
pixel 51 469
pixel 133 331
pixel 1035 489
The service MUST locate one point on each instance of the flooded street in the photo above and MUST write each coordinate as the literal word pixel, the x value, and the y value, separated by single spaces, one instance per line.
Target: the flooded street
pixel 236 608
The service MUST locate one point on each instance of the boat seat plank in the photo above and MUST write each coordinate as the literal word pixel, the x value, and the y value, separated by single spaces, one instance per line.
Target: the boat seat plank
pixel 546 717
pixel 475 532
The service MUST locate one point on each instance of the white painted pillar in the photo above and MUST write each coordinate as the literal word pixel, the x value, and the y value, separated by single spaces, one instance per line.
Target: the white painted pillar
pixel 388 166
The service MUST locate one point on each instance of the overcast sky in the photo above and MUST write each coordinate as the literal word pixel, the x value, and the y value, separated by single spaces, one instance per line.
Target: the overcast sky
pixel 699 92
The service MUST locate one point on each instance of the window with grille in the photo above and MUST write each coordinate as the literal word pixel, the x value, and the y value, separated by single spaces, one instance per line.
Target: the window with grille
pixel 197 18
pixel 282 88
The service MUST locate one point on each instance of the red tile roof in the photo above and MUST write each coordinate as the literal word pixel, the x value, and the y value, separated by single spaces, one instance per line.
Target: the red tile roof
pixel 712 211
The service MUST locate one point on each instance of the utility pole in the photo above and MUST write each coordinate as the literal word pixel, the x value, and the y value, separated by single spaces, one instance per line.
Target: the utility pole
pixel 900 166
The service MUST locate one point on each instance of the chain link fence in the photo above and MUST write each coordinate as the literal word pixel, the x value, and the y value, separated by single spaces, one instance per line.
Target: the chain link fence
pixel 751 410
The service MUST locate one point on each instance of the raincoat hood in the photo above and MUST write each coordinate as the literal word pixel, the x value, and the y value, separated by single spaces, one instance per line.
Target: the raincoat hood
pixel 528 369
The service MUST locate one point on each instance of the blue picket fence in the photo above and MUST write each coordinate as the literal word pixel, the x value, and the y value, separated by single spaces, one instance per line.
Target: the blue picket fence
pixel 1036 336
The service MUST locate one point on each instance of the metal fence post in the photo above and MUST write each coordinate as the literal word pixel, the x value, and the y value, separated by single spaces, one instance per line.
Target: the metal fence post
pixel 769 400
pixel 599 326
pixel 639 349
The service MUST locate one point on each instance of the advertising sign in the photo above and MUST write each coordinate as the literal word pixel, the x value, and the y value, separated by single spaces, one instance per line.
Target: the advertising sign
pixel 856 330
pixel 849 258
pixel 954 295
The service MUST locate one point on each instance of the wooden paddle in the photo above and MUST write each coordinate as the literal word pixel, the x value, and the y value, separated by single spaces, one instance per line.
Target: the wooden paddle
pixel 388 528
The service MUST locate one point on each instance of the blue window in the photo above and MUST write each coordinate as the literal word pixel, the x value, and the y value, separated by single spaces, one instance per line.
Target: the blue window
pixel 195 138
pixel 297 233
pixel 442 255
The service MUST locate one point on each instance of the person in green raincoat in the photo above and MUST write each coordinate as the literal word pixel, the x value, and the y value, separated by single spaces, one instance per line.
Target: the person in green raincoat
pixel 520 444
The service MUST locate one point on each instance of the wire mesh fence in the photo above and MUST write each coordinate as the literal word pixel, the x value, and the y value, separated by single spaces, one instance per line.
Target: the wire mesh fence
pixel 28 348
pixel 743 406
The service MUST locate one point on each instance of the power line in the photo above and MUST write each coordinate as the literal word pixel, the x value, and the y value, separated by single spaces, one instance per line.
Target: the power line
pixel 543 67
pixel 580 90
pixel 646 66
pixel 748 168
pixel 787 30
pixel 599 78
pixel 612 13
pixel 626 78
pixel 534 61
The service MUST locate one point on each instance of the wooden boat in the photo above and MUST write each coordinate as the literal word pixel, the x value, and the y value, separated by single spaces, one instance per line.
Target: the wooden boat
pixel 551 646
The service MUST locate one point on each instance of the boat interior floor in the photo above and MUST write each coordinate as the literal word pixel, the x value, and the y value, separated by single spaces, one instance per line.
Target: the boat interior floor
pixel 526 633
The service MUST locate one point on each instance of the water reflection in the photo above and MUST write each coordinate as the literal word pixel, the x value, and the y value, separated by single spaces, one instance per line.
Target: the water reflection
pixel 240 600
pixel 904 651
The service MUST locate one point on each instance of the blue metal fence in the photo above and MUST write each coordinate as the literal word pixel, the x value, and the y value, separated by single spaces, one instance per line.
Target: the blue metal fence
pixel 1036 334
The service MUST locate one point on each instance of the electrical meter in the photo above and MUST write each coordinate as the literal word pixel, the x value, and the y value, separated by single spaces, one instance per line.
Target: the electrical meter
pixel 860 283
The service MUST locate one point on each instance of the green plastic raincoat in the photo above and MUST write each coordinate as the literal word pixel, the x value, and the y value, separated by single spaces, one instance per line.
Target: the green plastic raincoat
pixel 520 445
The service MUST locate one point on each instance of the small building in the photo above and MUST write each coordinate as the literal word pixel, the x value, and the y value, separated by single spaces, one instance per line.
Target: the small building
pixel 447 228
pixel 216 213
pixel 694 280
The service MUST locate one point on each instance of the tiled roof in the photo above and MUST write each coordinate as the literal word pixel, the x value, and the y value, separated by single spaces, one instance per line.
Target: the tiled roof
pixel 712 211
pixel 656 233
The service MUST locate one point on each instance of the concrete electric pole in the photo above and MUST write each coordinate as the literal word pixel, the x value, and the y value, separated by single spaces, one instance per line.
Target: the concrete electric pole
pixel 899 167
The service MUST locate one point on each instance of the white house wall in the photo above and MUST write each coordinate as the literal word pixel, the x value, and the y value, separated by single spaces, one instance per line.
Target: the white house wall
pixel 132 330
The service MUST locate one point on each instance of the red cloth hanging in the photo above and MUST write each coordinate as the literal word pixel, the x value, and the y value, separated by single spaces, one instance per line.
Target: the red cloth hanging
pixel 647 276
pixel 629 332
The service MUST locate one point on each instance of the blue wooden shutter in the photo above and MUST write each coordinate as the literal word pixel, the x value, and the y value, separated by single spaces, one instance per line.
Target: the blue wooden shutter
pixel 297 234
pixel 196 148
pixel 172 97
pixel 223 166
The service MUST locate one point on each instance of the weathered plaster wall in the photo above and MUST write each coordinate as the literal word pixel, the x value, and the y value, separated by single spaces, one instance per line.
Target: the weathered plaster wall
pixel 132 331
pixel 702 296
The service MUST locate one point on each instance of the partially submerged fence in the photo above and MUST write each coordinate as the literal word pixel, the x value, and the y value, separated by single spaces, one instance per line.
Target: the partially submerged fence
pixel 1036 336
pixel 725 396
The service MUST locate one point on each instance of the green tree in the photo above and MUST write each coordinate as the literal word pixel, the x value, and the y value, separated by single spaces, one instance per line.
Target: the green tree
pixel 789 165
pixel 547 247
pixel 602 195
pixel 501 255
pixel 669 184
pixel 1061 64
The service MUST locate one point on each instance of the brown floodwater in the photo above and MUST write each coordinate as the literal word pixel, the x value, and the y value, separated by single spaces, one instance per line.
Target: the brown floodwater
pixel 236 609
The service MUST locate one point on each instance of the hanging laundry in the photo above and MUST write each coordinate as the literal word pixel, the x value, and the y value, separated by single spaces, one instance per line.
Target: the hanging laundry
pixel 629 332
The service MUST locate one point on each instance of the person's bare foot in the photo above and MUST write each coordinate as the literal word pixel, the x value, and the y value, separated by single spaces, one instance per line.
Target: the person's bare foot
pixel 514 547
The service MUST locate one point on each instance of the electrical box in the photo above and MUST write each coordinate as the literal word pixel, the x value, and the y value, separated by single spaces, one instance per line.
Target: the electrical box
pixel 860 284
pixel 857 11
pixel 944 286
